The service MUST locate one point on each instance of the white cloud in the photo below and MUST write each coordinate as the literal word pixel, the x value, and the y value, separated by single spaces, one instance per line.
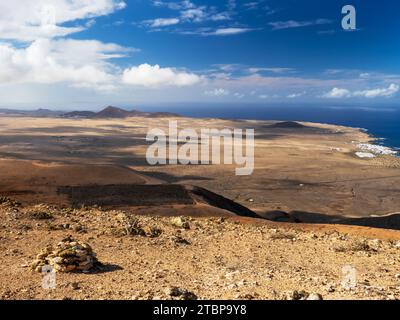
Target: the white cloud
pixel 229 31
pixel 217 32
pixel 218 92
pixel 162 22
pixel 188 12
pixel 78 63
pixel 33 51
pixel 273 70
pixel 239 95
pixel 154 76
pixel 372 93
pixel 228 67
pixel 195 14
pixel 279 25
pixel 337 93
pixel 296 95
pixel 254 81
pixel 38 59
pixel 82 63
pixel 27 20
pixel 380 92
pixel 222 16
pixel 252 5
pixel 185 4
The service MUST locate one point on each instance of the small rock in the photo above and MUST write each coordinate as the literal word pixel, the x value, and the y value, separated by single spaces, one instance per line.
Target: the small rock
pixel 180 222
pixel 180 240
pixel 374 244
pixel 314 296
pixel 247 296
pixel 183 294
pixel 221 220
pixel 298 295
pixel 154 232
pixel 75 285
pixel 330 288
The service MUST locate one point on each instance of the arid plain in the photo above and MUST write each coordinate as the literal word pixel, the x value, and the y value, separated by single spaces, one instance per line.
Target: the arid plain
pixel 310 207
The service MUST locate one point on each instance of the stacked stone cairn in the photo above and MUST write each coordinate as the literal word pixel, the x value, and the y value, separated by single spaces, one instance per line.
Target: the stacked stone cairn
pixel 68 256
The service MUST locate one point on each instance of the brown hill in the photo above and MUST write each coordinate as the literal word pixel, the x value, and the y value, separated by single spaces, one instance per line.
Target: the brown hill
pixel 112 112
pixel 109 186
pixel 116 113
pixel 288 125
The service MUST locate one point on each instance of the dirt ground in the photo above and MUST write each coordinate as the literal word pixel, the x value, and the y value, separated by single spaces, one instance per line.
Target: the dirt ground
pixel 210 258
pixel 345 248
pixel 311 170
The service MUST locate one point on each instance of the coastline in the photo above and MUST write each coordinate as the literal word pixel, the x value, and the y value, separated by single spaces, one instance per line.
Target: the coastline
pixel 315 162
pixel 380 125
pixel 313 195
pixel 372 149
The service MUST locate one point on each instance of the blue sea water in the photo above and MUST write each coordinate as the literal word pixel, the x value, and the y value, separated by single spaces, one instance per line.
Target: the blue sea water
pixel 380 122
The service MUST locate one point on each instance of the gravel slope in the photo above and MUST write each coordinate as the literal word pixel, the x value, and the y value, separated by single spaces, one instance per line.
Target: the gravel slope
pixel 147 257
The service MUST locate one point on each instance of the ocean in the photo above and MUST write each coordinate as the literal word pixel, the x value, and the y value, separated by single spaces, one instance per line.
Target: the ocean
pixel 382 123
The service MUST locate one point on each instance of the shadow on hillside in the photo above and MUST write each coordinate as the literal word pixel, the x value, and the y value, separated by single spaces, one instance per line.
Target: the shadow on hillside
pixel 170 178
pixel 391 221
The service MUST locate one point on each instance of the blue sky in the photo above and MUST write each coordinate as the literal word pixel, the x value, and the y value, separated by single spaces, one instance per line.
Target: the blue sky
pixel 87 54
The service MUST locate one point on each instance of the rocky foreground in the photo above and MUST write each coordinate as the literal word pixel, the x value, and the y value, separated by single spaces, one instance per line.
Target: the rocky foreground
pixel 146 257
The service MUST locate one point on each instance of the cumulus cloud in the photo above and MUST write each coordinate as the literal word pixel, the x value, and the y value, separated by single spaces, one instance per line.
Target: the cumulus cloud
pixel 154 76
pixel 337 93
pixel 48 57
pixel 380 92
pixel 27 20
pixel 83 63
pixel 34 48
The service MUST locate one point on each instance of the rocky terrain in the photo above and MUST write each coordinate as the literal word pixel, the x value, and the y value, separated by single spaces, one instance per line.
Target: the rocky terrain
pixel 149 257
pixel 83 216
